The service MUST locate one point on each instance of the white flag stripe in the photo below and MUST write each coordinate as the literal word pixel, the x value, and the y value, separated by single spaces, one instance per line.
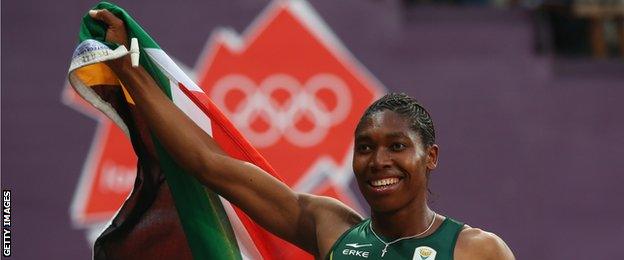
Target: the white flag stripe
pixel 245 243
pixel 170 69
pixel 189 108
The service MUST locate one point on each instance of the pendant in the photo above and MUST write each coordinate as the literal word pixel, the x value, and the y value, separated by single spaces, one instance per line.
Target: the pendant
pixel 383 252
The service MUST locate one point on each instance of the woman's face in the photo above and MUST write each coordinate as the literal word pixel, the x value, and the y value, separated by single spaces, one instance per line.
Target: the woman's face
pixel 390 162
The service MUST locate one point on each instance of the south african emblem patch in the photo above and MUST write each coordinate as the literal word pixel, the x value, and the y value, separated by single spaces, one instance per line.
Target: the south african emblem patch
pixel 424 253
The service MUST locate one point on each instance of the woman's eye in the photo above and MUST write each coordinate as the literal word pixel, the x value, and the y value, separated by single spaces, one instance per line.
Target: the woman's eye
pixel 397 147
pixel 363 148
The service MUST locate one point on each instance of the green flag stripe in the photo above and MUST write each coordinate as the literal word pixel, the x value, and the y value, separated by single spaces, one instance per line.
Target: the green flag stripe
pixel 202 216
pixel 205 223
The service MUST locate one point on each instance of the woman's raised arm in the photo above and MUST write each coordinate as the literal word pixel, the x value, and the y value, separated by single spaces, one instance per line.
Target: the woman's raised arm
pixel 268 201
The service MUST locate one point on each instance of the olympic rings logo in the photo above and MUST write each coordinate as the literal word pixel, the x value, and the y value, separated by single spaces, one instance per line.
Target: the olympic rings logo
pixel 302 103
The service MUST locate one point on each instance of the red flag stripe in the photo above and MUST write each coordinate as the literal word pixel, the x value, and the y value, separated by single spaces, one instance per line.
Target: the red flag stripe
pixel 238 147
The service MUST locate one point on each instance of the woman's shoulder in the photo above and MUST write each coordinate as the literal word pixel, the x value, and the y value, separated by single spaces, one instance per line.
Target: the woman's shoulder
pixel 475 243
pixel 332 219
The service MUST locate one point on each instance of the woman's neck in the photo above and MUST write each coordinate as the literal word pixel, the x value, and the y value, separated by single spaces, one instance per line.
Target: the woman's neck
pixel 407 221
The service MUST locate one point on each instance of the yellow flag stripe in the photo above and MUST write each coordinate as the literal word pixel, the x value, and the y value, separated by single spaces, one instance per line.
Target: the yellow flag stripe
pixel 100 74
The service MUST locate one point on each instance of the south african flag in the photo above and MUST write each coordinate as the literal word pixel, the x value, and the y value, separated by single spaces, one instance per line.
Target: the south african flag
pixel 168 215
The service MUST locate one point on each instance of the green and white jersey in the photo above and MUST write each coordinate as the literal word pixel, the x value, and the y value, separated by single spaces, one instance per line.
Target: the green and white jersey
pixel 360 242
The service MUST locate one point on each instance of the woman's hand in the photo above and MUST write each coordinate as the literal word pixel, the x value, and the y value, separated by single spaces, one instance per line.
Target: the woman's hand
pixel 116 32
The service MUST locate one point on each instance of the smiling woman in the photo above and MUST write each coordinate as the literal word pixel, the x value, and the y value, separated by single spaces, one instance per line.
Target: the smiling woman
pixel 394 153
pixel 390 166
pixel 391 162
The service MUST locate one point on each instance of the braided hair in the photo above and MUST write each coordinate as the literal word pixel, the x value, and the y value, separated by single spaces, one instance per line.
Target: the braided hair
pixel 408 107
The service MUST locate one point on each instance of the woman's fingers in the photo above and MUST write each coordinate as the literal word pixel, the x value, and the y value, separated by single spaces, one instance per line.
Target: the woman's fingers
pixel 116 32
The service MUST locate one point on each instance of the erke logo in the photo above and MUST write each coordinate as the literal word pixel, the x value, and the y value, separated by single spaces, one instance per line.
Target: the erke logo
pixel 353 252
pixel 356 245
pixel 359 253
pixel 424 253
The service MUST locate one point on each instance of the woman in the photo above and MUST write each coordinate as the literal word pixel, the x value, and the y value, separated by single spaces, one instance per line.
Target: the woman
pixel 394 153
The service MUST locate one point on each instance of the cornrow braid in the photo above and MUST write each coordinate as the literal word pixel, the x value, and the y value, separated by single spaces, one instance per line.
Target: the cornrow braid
pixel 404 105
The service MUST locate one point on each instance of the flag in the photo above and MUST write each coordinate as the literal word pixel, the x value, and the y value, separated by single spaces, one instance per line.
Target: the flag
pixel 169 214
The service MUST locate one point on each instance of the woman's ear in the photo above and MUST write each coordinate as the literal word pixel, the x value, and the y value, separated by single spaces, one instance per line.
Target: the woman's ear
pixel 432 157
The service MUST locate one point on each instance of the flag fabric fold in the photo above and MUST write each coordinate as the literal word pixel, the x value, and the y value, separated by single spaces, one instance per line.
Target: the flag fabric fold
pixel 169 214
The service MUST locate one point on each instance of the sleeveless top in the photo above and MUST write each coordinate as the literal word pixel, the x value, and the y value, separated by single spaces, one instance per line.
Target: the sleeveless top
pixel 360 242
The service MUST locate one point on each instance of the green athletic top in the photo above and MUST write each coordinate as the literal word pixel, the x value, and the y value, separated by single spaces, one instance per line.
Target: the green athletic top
pixel 360 242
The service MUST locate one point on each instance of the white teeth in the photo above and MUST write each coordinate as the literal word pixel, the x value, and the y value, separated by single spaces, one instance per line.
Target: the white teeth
pixel 384 182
